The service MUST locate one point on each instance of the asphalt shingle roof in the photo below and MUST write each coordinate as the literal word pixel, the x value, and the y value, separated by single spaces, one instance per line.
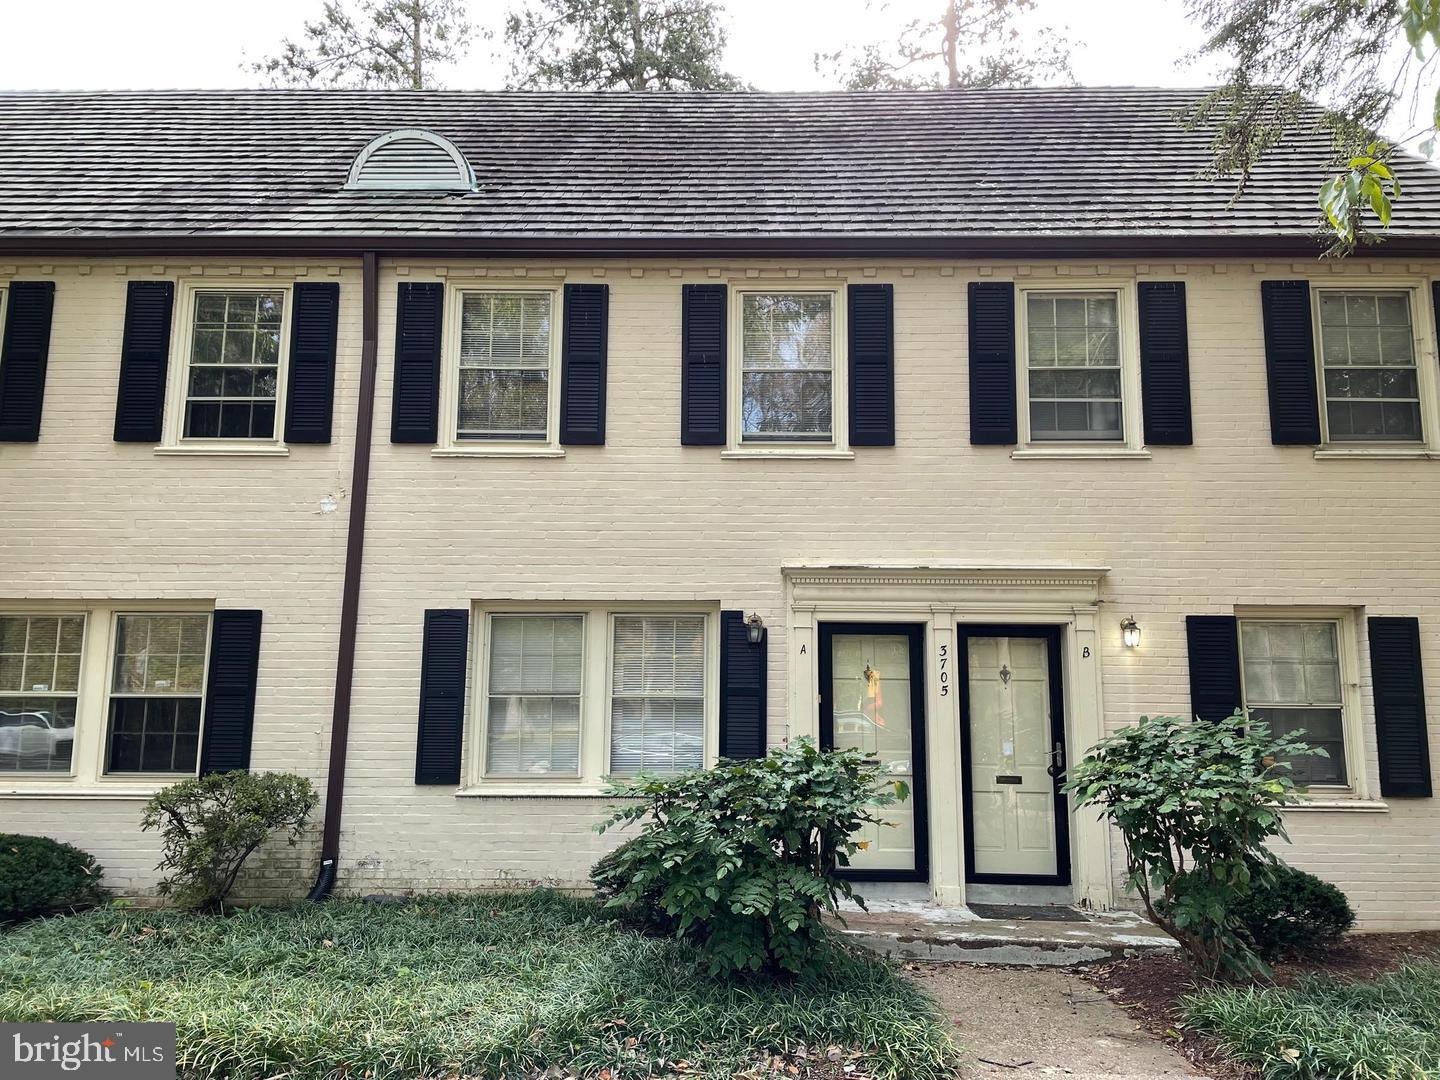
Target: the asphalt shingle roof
pixel 951 169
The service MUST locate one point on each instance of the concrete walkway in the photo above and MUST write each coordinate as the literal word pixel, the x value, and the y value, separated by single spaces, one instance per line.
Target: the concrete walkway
pixel 920 931
pixel 1036 1022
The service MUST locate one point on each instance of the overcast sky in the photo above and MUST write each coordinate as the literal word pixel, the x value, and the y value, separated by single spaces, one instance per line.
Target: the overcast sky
pixel 94 44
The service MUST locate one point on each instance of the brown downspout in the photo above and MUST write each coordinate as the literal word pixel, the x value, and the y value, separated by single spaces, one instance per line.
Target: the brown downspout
pixel 350 594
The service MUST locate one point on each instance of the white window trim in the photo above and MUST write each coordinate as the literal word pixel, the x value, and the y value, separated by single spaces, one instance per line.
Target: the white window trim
pixel 182 343
pixel 1132 445
pixel 1423 335
pixel 595 694
pixel 1357 790
pixel 87 776
pixel 737 447
pixel 451 446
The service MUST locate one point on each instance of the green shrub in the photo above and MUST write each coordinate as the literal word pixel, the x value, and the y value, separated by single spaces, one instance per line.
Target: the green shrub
pixel 741 859
pixel 1291 911
pixel 1195 803
pixel 211 824
pixel 40 876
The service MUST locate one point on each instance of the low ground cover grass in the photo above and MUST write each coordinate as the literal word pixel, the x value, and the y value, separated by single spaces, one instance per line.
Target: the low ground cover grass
pixel 1323 1028
pixel 494 986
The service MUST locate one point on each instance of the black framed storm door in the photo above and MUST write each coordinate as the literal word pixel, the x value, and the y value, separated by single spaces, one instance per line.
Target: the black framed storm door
pixel 872 697
pixel 1012 735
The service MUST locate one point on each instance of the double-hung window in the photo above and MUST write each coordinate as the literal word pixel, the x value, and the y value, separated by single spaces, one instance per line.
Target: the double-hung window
pixel 578 695
pixel 1074 370
pixel 156 693
pixel 1291 674
pixel 657 704
pixel 533 708
pixel 505 382
pixel 788 361
pixel 99 694
pixel 39 687
pixel 235 351
pixel 1370 380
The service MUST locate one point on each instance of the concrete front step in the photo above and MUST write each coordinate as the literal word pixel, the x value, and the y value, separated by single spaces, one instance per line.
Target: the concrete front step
pixel 923 932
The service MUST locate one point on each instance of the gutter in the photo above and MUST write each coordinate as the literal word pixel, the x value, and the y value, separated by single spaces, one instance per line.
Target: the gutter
pixel 350 592
pixel 964 247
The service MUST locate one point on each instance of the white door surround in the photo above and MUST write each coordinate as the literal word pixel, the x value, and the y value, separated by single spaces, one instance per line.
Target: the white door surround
pixel 940 597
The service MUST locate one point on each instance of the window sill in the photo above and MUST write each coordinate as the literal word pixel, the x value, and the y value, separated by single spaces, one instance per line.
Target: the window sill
pixel 64 789
pixel 799 453
pixel 1053 453
pixel 531 791
pixel 499 451
pixel 1331 804
pixel 1400 453
pixel 222 449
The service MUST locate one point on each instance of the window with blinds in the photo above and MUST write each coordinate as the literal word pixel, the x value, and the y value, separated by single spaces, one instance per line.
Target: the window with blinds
pixel 1292 681
pixel 533 704
pixel 505 359
pixel 657 705
pixel 1074 366
pixel 787 367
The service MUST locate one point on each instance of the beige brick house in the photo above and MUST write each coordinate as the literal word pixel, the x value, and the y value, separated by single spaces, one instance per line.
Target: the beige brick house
pixel 461 450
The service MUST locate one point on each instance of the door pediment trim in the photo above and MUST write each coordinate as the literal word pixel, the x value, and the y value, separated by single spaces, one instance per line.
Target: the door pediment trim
pixel 942 585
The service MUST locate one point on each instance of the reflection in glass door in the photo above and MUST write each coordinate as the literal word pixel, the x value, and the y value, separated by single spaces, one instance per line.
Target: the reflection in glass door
pixel 872 701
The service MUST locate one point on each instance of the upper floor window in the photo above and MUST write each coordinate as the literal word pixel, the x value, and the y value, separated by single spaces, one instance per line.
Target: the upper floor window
pixel 1074 372
pixel 1370 381
pixel 232 379
pixel 787 367
pixel 1291 674
pixel 506 357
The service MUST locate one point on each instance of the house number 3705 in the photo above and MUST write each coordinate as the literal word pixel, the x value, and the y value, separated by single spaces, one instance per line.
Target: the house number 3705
pixel 944 670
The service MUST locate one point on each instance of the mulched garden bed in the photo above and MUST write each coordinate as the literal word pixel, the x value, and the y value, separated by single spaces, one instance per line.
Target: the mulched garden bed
pixel 1152 986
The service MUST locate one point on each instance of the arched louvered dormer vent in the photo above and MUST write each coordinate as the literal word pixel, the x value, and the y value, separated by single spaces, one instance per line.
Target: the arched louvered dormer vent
pixel 411 159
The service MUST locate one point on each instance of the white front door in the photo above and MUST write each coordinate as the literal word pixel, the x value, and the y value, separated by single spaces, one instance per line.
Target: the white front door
pixel 1012 744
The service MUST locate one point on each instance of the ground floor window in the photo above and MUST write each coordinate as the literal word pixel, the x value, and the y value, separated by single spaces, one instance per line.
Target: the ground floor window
pixel 1291 675
pixel 90 692
pixel 581 694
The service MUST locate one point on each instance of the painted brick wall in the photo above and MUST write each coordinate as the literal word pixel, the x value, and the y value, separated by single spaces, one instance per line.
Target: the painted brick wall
pixel 1231 520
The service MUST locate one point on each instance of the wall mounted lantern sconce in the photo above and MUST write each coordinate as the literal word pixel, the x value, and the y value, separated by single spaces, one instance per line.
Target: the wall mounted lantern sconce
pixel 1130 632
pixel 755 627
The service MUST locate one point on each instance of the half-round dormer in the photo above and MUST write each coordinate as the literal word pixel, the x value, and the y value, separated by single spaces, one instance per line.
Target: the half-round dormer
pixel 411 159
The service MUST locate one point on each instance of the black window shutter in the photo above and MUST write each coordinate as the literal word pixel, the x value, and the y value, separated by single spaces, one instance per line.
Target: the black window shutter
pixel 1164 363
pixel 230 691
pixel 872 364
pixel 1400 731
pixel 442 696
pixel 702 365
pixel 992 363
pixel 23 356
pixel 742 689
pixel 310 396
pixel 1290 363
pixel 582 365
pixel 1213 642
pixel 144 358
pixel 415 402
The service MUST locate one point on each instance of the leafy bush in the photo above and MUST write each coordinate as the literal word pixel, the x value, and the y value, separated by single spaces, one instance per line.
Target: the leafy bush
pixel 1195 803
pixel 1292 912
pixel 40 876
pixel 210 825
pixel 741 859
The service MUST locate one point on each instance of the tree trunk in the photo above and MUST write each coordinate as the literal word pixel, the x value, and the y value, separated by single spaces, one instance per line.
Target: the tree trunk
pixel 950 44
pixel 639 80
pixel 417 74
